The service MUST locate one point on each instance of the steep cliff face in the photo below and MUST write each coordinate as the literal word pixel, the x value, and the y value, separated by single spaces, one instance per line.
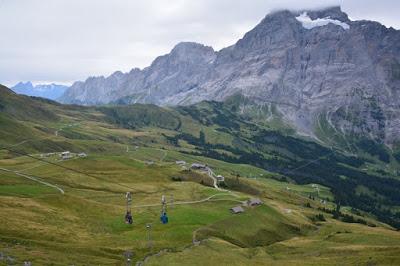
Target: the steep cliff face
pixel 306 64
pixel 184 68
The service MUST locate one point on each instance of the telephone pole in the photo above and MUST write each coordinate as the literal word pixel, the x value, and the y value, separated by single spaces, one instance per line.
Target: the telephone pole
pixel 149 240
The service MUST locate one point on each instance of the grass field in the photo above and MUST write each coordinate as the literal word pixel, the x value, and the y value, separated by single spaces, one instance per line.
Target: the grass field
pixel 85 225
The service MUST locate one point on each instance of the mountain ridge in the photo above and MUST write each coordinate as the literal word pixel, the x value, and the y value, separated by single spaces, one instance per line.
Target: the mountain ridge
pixel 50 91
pixel 324 69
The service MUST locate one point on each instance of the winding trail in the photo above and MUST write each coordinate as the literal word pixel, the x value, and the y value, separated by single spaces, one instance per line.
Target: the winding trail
pixel 34 179
pixel 215 181
pixel 191 202
pixel 19 173
pixel 212 175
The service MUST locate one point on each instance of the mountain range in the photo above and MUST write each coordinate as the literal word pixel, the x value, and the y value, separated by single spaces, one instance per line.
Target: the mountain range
pixel 282 149
pixel 317 70
pixel 49 91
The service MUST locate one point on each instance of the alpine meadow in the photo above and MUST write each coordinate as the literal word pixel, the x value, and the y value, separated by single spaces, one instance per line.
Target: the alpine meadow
pixel 281 149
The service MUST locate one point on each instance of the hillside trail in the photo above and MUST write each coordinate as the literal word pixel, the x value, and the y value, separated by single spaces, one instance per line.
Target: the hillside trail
pixel 34 179
pixel 212 175
pixel 191 202
pixel 19 172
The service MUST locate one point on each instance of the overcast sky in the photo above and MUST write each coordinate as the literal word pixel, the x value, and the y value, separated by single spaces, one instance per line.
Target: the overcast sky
pixel 67 40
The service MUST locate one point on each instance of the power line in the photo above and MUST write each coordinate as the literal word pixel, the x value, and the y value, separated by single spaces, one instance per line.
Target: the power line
pixel 13 145
pixel 62 166
pixel 310 162
pixel 56 164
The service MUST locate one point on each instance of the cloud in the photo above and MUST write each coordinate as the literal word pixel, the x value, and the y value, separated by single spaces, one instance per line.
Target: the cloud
pixel 68 40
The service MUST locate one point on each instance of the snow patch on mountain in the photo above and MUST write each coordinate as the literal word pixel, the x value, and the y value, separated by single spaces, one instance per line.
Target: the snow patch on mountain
pixel 308 23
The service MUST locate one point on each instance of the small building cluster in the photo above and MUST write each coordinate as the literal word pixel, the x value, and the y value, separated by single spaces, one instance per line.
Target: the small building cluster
pixel 65 155
pixel 199 166
pixel 49 154
pixel 248 203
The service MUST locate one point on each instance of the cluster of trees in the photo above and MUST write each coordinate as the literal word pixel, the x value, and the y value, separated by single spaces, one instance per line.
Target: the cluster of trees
pixel 319 217
pixel 375 149
pixel 141 115
pixel 215 114
pixel 344 217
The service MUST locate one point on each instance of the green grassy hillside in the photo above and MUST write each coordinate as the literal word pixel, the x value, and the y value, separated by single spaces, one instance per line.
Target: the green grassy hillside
pixel 71 212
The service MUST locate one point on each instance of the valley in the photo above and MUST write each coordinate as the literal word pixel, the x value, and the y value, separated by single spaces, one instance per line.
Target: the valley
pixel 138 148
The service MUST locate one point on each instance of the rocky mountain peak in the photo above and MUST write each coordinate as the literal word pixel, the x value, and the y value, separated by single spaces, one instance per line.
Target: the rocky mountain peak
pixel 313 66
pixel 277 27
pixel 21 84
pixel 276 17
pixel 330 12
pixel 190 47
pixel 117 73
pixel 184 54
pixel 192 51
pixel 50 91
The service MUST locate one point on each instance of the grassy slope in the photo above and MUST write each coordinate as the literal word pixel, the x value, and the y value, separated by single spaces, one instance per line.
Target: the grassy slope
pixel 88 219
pixel 86 224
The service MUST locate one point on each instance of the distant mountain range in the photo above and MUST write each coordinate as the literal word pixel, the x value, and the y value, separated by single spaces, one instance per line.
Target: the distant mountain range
pixel 321 72
pixel 49 91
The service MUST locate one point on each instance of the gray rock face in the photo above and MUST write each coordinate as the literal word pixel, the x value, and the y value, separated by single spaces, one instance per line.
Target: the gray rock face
pixel 311 65
pixel 184 68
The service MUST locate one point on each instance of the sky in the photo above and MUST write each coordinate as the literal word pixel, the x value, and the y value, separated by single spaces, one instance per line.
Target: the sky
pixel 63 41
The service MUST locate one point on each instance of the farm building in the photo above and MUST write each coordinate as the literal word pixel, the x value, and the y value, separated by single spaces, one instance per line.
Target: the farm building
pixel 180 162
pixel 237 209
pixel 220 178
pixel 254 202
pixel 198 166
pixel 65 155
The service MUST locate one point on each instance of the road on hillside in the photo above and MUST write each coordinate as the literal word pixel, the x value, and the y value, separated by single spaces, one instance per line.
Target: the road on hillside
pixel 34 179
pixel 190 202
pixel 215 182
